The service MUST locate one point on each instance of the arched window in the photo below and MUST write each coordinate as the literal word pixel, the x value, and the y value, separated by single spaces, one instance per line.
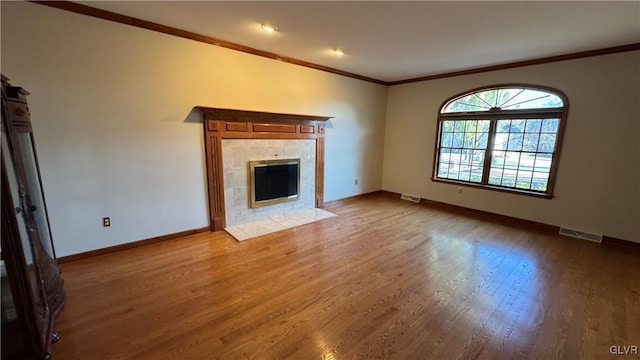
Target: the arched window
pixel 504 137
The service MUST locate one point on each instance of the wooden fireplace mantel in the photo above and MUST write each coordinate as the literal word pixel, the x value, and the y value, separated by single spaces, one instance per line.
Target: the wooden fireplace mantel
pixel 242 124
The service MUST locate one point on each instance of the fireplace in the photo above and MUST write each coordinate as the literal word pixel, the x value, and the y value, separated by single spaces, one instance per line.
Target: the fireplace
pixel 237 158
pixel 274 181
pixel 235 137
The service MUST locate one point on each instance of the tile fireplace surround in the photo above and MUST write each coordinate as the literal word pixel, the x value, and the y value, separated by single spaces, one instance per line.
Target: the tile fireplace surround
pixel 236 154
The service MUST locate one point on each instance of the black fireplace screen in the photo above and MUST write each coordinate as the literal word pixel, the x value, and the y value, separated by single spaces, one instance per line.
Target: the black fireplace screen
pixel 274 181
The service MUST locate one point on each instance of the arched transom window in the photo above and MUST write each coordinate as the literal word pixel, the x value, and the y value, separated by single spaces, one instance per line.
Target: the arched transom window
pixel 504 137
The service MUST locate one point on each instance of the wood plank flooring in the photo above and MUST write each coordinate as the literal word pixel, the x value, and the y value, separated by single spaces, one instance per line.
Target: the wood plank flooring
pixel 385 279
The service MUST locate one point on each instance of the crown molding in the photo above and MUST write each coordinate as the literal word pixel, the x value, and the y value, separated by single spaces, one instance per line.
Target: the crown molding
pixel 538 61
pixel 127 20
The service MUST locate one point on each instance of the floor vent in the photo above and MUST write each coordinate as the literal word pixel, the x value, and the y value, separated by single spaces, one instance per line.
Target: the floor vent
pixel 581 235
pixel 412 198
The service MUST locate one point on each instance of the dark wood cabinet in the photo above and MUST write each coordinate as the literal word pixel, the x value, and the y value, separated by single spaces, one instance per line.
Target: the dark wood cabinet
pixel 32 286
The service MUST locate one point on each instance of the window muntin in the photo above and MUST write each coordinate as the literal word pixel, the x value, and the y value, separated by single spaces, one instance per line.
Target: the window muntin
pixel 462 149
pixel 508 98
pixel 504 137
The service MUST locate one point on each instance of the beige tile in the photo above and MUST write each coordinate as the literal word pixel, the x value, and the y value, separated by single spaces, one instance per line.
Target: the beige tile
pixel 237 233
pixel 287 222
pixel 238 152
pixel 252 230
pixel 323 214
pixel 266 226
pixel 269 225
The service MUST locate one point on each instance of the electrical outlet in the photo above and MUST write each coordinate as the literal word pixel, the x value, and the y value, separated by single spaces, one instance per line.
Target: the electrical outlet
pixel 106 221
pixel 356 181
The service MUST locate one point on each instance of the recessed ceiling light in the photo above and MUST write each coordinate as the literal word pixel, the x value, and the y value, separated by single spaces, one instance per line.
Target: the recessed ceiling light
pixel 269 27
pixel 338 52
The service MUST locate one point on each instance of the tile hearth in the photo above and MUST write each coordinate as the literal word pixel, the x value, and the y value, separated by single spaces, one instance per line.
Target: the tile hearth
pixel 262 227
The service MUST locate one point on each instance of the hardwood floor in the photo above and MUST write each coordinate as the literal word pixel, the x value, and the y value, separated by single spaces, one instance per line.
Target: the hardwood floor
pixel 385 279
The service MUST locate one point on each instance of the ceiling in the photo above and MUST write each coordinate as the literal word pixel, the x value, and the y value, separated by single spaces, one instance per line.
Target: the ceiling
pixel 393 40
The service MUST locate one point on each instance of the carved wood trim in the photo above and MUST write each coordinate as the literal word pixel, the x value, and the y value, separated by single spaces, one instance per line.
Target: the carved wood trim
pixel 320 167
pixel 259 116
pixel 215 182
pixel 283 128
pixel 236 126
pixel 305 129
pixel 242 124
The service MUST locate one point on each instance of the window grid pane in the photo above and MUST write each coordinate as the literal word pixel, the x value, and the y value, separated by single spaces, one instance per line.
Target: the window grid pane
pixel 526 163
pixel 521 158
pixel 520 148
pixel 462 150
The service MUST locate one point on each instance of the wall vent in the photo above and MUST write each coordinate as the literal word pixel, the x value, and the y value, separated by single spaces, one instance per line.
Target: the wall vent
pixel 412 198
pixel 581 235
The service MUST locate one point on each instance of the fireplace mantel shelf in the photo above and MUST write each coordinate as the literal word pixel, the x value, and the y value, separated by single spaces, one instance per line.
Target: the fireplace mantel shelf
pixel 244 124
pixel 258 116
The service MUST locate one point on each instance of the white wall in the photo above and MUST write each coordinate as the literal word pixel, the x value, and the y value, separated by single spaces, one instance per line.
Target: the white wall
pixel 598 181
pixel 109 104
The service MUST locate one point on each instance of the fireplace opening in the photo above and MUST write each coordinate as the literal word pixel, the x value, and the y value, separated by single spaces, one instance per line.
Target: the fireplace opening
pixel 274 181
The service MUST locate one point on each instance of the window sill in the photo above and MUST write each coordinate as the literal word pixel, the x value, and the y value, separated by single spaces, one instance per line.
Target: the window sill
pixel 495 188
